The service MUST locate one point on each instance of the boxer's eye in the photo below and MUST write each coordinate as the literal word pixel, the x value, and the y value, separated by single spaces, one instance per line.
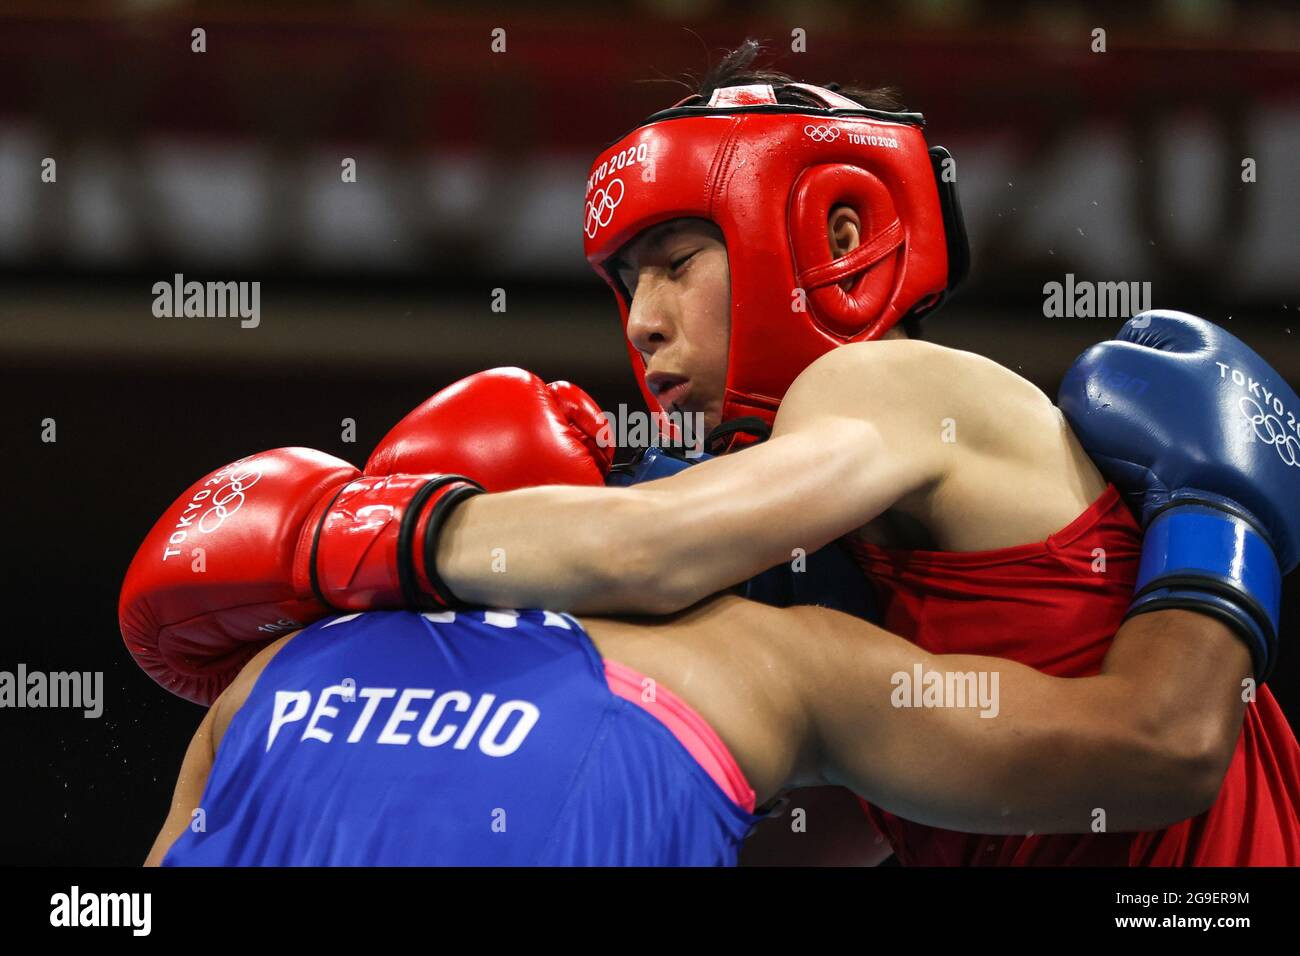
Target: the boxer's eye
pixel 678 262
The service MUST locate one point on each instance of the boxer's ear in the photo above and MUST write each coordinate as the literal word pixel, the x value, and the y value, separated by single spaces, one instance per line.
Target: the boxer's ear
pixel 844 233
pixel 843 230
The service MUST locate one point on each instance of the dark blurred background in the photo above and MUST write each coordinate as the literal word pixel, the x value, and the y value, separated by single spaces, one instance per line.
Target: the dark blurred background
pixel 225 165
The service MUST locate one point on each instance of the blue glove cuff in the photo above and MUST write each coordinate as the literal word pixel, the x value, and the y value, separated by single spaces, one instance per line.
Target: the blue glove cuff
pixel 1193 547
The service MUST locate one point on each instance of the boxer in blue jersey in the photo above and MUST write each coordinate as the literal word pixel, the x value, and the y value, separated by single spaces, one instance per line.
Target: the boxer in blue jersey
pixel 481 737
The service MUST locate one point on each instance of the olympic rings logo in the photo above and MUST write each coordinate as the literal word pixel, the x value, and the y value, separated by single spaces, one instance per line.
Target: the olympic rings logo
pixel 228 499
pixel 1275 433
pixel 601 206
pixel 821 134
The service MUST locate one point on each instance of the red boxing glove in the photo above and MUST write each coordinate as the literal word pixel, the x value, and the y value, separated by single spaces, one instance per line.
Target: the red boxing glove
pixel 506 429
pixel 291 535
pixel 262 547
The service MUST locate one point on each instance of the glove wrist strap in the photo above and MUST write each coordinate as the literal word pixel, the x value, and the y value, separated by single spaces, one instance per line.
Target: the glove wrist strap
pixel 417 551
pixel 1197 548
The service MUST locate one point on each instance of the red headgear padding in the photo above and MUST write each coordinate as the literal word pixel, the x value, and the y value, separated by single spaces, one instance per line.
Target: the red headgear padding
pixel 768 175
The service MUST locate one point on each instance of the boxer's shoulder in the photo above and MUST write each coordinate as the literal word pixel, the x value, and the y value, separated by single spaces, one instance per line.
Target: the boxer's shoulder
pixel 232 698
pixel 909 380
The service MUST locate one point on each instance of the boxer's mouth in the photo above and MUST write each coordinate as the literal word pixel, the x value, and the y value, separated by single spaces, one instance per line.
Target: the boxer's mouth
pixel 671 390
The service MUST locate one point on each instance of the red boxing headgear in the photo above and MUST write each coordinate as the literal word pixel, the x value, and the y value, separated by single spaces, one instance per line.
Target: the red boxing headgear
pixel 768 175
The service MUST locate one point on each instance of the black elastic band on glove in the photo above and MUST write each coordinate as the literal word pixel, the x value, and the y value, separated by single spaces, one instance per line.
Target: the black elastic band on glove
pixel 443 598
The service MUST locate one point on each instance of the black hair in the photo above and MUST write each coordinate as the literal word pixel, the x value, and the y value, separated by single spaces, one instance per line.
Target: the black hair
pixel 736 68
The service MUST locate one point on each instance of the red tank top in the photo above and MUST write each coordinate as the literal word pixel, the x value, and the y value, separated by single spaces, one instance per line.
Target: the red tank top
pixel 1052 606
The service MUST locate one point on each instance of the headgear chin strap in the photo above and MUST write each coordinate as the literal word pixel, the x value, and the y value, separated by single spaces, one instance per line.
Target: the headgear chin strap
pixel 768 175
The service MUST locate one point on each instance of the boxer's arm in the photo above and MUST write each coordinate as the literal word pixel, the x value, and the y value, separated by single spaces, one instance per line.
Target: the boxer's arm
pixel 197 765
pixel 1146 741
pixel 189 788
pixel 840 455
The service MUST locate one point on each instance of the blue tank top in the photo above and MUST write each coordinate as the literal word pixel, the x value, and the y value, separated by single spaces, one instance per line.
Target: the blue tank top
pixel 466 738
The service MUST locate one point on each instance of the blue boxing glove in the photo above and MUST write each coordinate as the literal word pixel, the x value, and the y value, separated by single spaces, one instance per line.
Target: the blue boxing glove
pixel 1203 438
pixel 829 579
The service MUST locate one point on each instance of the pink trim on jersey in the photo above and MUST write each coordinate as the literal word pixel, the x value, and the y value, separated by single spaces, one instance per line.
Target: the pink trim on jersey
pixel 693 731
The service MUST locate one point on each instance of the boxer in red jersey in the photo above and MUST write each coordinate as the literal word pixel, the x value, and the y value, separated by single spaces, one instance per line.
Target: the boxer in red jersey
pixel 955 483
pixel 1049 589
